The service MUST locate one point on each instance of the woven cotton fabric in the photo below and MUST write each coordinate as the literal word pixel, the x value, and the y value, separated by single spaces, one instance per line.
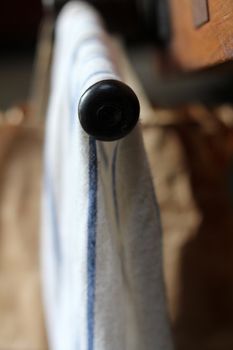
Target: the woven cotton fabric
pixel 101 237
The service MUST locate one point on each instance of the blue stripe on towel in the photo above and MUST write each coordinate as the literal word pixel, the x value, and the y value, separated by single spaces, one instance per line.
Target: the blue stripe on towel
pixel 91 254
pixel 52 207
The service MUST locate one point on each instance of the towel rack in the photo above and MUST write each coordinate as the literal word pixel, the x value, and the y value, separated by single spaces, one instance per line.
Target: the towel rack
pixel 150 23
pixel 109 110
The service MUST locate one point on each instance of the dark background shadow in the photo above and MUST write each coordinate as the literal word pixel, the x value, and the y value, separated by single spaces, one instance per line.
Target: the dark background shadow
pixel 205 304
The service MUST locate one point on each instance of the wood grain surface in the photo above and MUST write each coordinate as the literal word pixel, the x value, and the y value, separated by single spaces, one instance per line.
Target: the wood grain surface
pixel 211 43
pixel 21 315
pixel 190 163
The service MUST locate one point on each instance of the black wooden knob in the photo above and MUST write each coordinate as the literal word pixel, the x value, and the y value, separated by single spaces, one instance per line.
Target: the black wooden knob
pixel 108 110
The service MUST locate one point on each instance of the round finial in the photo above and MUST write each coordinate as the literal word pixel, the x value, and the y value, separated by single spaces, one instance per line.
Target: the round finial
pixel 108 110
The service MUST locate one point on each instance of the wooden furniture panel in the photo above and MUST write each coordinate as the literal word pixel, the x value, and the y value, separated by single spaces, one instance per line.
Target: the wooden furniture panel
pixel 202 32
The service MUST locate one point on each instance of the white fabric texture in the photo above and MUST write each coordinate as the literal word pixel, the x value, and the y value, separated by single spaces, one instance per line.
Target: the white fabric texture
pixel 101 238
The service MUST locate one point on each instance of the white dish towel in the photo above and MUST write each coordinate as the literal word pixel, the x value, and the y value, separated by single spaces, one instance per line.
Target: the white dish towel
pixel 101 237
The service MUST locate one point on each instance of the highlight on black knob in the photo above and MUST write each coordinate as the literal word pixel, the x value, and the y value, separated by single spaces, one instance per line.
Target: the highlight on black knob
pixel 108 110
